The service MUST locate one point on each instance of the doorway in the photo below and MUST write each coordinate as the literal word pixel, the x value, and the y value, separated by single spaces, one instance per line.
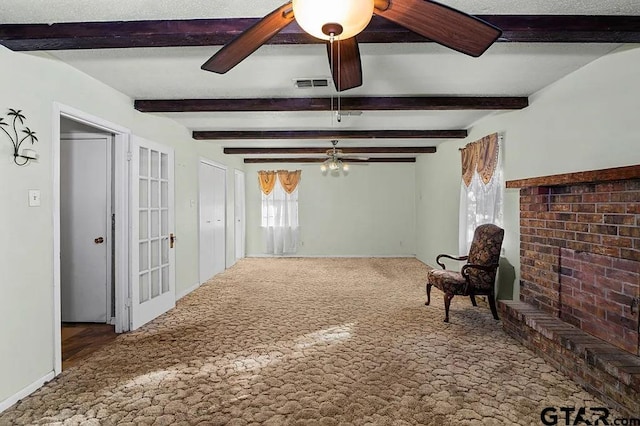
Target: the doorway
pixel 87 287
pixel 70 123
pixel 134 161
pixel 212 219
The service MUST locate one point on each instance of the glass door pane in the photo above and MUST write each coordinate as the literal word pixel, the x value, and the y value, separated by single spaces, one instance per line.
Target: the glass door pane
pixel 154 227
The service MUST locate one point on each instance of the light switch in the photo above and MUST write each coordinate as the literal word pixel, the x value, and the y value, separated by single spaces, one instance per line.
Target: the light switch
pixel 34 197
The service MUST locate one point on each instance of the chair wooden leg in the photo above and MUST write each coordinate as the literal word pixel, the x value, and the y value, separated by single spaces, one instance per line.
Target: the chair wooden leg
pixel 492 305
pixel 428 294
pixel 447 303
pixel 473 300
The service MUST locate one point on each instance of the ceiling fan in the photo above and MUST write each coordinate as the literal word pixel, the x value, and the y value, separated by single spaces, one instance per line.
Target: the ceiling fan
pixel 339 21
pixel 335 159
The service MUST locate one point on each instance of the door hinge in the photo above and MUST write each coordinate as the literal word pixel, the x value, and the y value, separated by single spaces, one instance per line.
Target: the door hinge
pixel 127 302
pixel 129 155
pixel 113 222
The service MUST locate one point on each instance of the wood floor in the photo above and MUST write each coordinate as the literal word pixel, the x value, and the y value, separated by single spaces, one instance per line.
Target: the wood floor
pixel 81 339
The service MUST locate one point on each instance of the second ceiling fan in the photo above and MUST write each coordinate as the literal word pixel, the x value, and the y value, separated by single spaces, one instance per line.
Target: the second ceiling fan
pixel 339 21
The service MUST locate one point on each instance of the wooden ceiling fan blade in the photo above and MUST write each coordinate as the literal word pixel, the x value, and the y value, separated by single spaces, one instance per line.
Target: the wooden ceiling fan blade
pixel 250 40
pixel 347 67
pixel 442 24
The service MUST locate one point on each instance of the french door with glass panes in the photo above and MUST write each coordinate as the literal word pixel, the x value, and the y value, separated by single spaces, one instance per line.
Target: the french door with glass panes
pixel 152 226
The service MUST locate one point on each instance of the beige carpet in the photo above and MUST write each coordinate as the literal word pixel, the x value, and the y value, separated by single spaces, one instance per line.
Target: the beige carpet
pixel 308 342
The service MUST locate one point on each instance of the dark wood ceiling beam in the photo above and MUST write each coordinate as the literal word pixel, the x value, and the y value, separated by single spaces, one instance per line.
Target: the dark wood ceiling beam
pixel 567 28
pixel 320 160
pixel 329 134
pixel 368 103
pixel 211 32
pixel 345 150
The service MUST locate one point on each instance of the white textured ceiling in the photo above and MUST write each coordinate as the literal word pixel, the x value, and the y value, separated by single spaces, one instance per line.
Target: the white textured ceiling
pixel 388 70
pixel 417 69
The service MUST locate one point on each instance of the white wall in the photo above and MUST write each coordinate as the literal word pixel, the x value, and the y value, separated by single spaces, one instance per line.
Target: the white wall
pixel 33 83
pixel 369 212
pixel 586 121
pixel 437 202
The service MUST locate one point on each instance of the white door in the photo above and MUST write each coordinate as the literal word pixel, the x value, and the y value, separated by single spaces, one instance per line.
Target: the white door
pixel 85 255
pixel 239 214
pixel 212 202
pixel 152 231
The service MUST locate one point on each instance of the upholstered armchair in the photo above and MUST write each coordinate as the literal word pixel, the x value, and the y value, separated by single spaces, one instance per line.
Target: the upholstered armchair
pixel 476 277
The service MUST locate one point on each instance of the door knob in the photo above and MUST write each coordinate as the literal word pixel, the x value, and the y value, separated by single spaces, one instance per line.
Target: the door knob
pixel 99 240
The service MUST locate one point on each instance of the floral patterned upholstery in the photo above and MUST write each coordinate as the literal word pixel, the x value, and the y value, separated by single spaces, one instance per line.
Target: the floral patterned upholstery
pixel 485 250
pixel 477 276
pixel 448 281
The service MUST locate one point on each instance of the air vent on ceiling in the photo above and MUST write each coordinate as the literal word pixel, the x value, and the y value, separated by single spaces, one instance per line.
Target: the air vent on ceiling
pixel 304 83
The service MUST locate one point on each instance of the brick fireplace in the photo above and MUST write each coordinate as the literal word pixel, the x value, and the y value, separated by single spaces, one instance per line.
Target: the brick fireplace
pixel 580 279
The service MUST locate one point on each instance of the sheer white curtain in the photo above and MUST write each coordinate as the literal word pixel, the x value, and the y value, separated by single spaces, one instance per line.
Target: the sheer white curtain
pixel 280 221
pixel 481 202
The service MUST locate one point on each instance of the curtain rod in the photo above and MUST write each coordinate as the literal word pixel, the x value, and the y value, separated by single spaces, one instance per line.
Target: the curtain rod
pixel 500 138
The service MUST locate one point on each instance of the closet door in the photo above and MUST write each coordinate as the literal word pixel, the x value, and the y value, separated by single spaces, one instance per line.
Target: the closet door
pixel 85 255
pixel 239 213
pixel 212 207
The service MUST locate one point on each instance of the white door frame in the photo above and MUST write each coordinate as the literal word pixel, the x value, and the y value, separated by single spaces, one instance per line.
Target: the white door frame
pixel 237 173
pixel 223 167
pixel 121 188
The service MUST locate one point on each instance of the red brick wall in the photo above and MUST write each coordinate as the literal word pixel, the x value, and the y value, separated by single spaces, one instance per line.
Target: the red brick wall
pixel 596 293
pixel 601 222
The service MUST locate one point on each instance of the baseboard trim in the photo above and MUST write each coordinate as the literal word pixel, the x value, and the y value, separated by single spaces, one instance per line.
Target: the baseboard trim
pixel 7 403
pixel 187 291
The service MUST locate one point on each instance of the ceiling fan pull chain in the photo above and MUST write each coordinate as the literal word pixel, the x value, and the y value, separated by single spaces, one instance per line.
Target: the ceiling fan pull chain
pixel 331 65
pixel 339 82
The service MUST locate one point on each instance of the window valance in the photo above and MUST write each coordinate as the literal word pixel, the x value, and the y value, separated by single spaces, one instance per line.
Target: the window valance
pixel 480 156
pixel 267 180
pixel 288 179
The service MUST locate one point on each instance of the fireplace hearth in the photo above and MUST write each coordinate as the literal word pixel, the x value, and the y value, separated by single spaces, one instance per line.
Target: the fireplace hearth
pixel 580 279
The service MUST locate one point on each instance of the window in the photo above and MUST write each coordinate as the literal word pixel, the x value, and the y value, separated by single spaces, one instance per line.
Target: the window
pixel 280 211
pixel 481 190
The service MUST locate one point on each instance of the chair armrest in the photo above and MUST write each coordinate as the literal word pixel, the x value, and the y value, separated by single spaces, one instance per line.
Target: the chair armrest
pixel 449 257
pixel 465 272
pixel 465 269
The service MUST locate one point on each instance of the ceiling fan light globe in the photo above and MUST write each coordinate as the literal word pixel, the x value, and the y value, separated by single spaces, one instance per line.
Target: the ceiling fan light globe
pixel 323 167
pixel 345 167
pixel 352 15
